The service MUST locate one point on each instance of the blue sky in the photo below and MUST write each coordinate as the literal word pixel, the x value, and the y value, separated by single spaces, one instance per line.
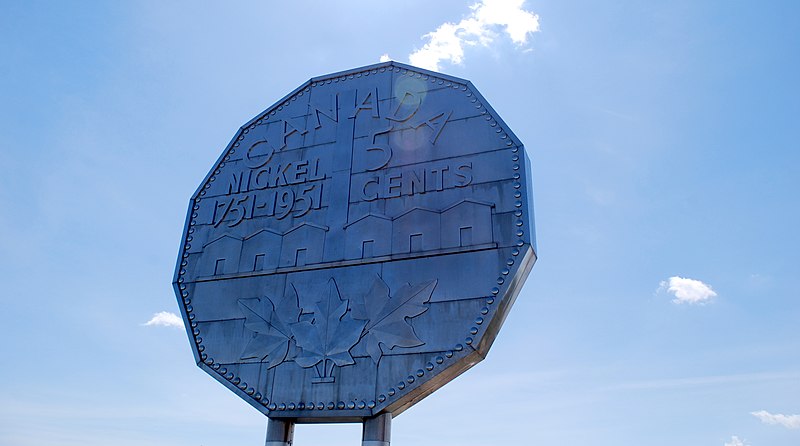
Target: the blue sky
pixel 664 141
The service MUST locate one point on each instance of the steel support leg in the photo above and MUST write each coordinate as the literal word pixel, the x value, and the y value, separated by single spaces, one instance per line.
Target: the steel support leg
pixel 280 433
pixel 377 430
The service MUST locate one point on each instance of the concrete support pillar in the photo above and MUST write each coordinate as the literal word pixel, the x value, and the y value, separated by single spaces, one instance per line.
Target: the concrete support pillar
pixel 280 432
pixel 377 430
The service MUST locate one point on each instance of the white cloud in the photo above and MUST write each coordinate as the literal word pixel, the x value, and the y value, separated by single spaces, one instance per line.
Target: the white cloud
pixel 165 319
pixel 787 421
pixel 735 441
pixel 480 27
pixel 689 291
pixel 385 57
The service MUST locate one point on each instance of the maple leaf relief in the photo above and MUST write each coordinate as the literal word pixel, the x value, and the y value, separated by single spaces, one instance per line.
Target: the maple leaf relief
pixel 387 317
pixel 330 335
pixel 270 321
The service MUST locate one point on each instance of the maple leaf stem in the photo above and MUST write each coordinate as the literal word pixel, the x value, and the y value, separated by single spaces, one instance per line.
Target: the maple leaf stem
pixel 333 364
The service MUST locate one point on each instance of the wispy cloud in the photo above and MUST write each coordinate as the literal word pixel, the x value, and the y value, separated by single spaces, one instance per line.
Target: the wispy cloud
pixel 735 441
pixel 165 319
pixel 689 291
pixel 787 421
pixel 487 20
pixel 385 57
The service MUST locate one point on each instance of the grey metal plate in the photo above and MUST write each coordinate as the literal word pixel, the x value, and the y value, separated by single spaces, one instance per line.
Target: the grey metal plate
pixel 357 245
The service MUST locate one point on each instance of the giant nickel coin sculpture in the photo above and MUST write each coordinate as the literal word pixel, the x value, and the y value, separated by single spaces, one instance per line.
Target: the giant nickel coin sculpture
pixel 357 245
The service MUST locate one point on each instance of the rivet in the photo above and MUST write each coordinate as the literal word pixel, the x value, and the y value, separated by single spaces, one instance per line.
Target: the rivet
pixel 410 379
pixel 493 123
pixel 520 232
pixel 185 294
pixel 340 405
pixel 272 406
pixel 468 341
pixel 189 308
pixel 429 366
pixel 223 371
pixel 196 332
pixel 310 405
pixel 229 376
pixel 420 372
pixel 193 324
pixel 301 406
pixel 449 353
pixel 203 356
pixel 518 204
pixel 459 347
pixel 215 366
pixel 518 213
pixel 392 391
pixel 181 279
pixel 500 280
pixel 282 406
pixel 489 300
pixel 209 361
pixel 510 262
pixel 439 360
pixel 371 404
pixel 505 271
pixel 184 262
pixel 351 405
pixel 520 243
pixel 362 405
pixel 198 340
pixel 516 176
pixel 498 130
pixel 520 223
pixel 479 320
pixel 484 310
pixel 291 406
pixel 473 330
pixel 401 385
pixel 515 158
pixel 321 405
pixel 246 131
pixel 201 349
pixel 257 396
pixel 242 385
pixel 517 194
pixel 331 405
pixel 191 316
pixel 381 398
pixel 516 167
pixel 503 136
pixel 495 290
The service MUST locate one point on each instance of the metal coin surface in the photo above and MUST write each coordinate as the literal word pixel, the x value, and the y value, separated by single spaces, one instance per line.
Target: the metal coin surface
pixel 357 245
